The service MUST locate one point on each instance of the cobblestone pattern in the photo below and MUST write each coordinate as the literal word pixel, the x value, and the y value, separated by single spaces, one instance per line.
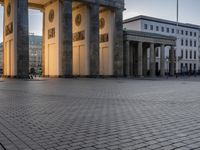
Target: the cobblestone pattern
pixel 108 114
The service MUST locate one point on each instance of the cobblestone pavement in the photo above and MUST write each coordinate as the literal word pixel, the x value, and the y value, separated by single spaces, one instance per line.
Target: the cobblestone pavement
pixel 108 114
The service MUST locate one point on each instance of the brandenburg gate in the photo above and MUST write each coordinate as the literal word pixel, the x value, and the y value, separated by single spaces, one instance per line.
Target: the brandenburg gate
pixel 80 37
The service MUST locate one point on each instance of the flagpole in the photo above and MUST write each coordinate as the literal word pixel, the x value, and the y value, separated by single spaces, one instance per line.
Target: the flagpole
pixel 177 13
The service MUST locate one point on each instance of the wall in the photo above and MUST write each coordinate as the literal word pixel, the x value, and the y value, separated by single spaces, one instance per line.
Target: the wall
pixel 136 25
pixel 10 44
pixel 52 46
pixel 81 46
pixel 106 48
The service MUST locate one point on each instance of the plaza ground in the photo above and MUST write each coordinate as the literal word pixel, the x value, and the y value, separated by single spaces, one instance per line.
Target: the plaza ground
pixel 126 114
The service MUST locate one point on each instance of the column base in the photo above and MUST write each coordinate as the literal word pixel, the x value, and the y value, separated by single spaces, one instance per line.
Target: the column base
pixel 139 76
pixel 15 77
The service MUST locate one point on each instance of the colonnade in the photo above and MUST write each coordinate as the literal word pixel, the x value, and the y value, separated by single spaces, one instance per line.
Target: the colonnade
pixel 140 52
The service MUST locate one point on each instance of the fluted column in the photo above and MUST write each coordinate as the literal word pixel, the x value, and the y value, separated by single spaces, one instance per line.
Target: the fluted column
pixel 140 62
pixel 131 60
pixel 127 59
pixel 172 60
pixel 22 39
pixel 67 38
pixel 118 43
pixel 162 61
pixel 152 60
pixel 43 45
pixel 94 39
pixel 145 63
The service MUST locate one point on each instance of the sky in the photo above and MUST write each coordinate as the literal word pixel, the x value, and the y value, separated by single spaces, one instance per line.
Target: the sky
pixel 165 9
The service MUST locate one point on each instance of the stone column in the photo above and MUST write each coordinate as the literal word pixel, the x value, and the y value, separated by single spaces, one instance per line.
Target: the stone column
pixel 131 60
pixel 16 39
pixel 94 39
pixel 172 57
pixel 152 60
pixel 135 60
pixel 145 63
pixel 127 59
pixel 118 43
pixel 22 39
pixel 140 62
pixel 162 60
pixel 3 55
pixel 43 45
pixel 67 38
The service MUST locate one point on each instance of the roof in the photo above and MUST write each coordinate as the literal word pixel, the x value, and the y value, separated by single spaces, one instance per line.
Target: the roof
pixel 148 18
pixel 148 34
pixel 132 35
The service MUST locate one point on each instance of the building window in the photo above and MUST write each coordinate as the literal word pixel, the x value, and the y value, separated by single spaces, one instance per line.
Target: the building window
pixel 195 43
pixel 186 54
pixel 182 32
pixel 182 42
pixel 190 33
pixel 177 31
pixel 163 29
pixel 186 32
pixel 194 67
pixel 191 43
pixel 151 27
pixel 167 30
pixel 157 28
pixel 186 42
pixel 190 54
pixel 181 53
pixel 145 26
pixel 195 55
pixel 172 30
pixel 195 34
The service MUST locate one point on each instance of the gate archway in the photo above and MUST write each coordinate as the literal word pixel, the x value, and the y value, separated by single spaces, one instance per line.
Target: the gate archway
pixel 59 37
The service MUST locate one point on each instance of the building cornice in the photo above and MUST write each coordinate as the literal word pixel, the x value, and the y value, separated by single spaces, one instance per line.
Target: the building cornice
pixel 158 20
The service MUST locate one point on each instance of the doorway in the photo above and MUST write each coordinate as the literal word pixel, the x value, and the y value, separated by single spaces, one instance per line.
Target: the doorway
pixel 104 70
pixel 78 60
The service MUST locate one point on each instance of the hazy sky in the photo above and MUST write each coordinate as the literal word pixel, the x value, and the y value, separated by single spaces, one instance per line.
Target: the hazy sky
pixel 188 12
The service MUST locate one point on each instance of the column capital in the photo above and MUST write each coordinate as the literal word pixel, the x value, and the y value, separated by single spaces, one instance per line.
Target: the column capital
pixel 152 43
pixel 140 42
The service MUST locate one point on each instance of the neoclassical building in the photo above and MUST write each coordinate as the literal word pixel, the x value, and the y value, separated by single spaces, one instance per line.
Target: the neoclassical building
pixel 80 37
pixel 140 52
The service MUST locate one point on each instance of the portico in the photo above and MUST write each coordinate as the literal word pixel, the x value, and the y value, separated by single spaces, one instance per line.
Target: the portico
pixel 140 53
pixel 80 37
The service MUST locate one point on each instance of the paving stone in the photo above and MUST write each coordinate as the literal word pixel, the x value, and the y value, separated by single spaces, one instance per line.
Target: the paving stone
pixel 100 114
